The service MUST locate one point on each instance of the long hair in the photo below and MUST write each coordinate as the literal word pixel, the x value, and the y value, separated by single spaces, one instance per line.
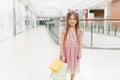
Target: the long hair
pixel 76 25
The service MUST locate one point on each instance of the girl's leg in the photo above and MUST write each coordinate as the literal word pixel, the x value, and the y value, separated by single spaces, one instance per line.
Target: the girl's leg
pixel 72 76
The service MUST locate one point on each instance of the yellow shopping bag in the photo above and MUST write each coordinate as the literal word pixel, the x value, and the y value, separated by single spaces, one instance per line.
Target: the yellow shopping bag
pixel 56 65
pixel 61 74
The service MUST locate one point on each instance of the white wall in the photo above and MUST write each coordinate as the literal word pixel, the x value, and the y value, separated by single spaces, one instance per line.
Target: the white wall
pixel 90 15
pixel 6 19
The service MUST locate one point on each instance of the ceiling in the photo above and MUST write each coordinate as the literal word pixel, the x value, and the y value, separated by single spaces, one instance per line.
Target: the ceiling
pixel 56 8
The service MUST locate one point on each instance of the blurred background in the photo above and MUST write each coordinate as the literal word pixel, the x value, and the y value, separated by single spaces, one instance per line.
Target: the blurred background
pixel 30 33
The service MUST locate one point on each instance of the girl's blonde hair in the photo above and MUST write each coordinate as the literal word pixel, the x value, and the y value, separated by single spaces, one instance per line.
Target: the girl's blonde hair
pixel 69 13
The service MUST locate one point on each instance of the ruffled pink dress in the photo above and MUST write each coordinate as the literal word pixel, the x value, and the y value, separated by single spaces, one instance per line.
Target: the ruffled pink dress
pixel 71 49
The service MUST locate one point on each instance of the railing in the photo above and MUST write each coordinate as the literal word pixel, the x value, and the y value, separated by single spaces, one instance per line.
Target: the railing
pixel 98 33
pixel 103 26
pixel 53 28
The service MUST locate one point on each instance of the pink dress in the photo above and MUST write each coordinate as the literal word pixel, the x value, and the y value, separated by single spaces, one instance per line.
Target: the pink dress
pixel 71 49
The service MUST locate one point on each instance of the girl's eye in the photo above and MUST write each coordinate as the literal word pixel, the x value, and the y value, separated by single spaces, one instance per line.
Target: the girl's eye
pixel 72 19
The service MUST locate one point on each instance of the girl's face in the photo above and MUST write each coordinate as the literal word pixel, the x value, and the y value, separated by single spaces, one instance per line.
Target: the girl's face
pixel 72 20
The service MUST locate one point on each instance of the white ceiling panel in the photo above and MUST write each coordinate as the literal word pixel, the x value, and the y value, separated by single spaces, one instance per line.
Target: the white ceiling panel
pixel 59 7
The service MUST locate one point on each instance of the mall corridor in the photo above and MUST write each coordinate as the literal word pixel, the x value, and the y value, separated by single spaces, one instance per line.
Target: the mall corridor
pixel 30 36
pixel 28 55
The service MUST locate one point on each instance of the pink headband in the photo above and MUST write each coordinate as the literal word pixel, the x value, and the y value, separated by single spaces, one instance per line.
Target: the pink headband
pixel 70 10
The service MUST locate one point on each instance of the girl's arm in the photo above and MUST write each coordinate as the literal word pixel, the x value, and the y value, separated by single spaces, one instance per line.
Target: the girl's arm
pixel 80 43
pixel 61 44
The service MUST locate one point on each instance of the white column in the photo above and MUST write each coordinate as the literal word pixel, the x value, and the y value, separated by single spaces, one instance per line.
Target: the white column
pixel 108 9
pixel 107 12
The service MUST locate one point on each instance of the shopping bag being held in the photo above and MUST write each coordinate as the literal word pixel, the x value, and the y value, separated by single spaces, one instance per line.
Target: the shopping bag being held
pixel 56 65
pixel 61 74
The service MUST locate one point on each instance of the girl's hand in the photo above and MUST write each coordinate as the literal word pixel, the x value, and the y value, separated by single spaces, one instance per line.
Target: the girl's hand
pixel 78 56
pixel 61 56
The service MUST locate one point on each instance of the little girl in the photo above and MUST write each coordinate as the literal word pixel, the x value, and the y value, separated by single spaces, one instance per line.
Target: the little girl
pixel 71 43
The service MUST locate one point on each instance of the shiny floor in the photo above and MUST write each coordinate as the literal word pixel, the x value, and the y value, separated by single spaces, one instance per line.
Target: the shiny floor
pixel 28 56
